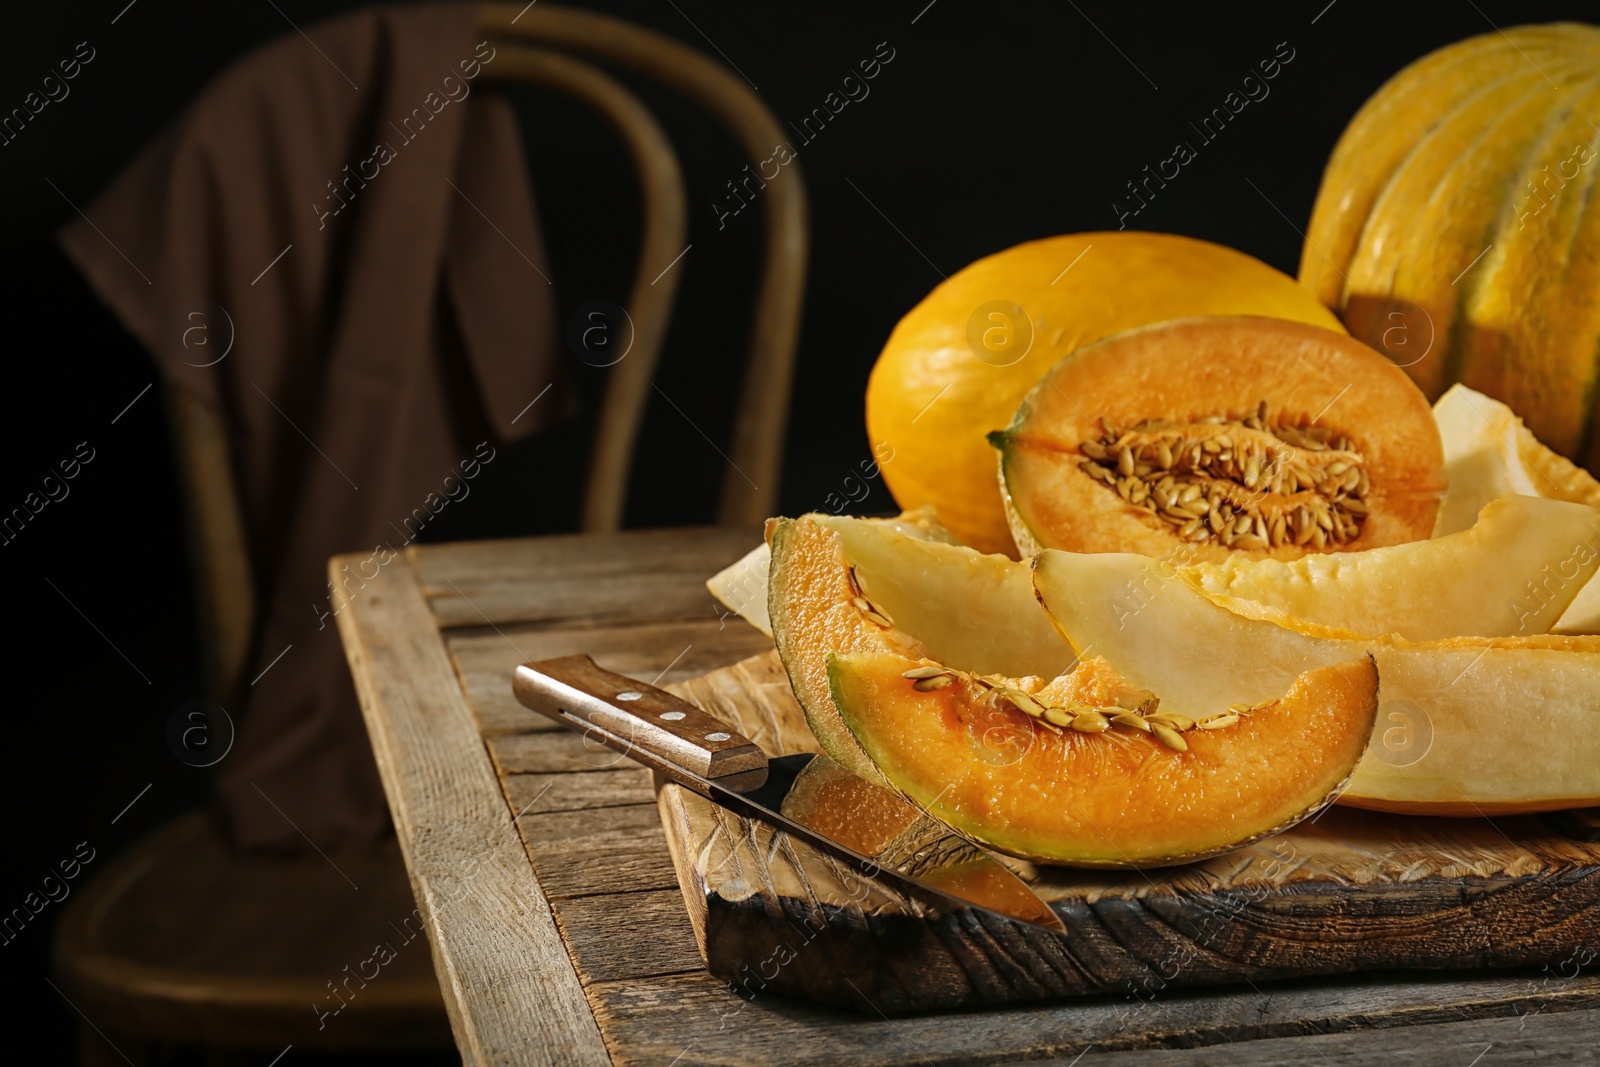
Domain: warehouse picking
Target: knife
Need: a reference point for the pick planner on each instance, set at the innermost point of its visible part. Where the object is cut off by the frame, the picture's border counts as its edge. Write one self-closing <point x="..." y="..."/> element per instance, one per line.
<point x="900" y="844"/>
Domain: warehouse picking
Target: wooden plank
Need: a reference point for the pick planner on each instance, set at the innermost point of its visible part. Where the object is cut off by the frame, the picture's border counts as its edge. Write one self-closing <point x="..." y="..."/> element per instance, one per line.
<point x="618" y="936"/>
<point x="1348" y="891"/>
<point x="583" y="852"/>
<point x="549" y="752"/>
<point x="653" y="1020"/>
<point x="1540" y="1039"/>
<point x="534" y="794"/>
<point x="580" y="580"/>
<point x="508" y="983"/>
<point x="681" y="649"/>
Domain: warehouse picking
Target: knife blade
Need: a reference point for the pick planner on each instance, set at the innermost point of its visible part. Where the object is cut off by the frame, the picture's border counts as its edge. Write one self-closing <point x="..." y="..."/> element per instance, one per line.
<point x="899" y="844"/>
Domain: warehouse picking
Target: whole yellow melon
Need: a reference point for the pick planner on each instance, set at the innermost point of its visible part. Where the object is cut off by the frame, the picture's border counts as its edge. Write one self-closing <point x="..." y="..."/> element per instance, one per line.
<point x="1457" y="230"/>
<point x="961" y="361"/>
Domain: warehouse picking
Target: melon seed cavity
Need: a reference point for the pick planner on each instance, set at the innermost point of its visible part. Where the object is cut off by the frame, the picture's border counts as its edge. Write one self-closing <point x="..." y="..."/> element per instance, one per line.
<point x="1255" y="482"/>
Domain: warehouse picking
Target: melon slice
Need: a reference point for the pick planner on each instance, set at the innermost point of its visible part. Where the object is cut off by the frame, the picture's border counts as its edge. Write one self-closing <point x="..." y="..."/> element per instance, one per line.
<point x="741" y="587"/>
<point x="846" y="585"/>
<point x="1467" y="725"/>
<point x="1489" y="453"/>
<point x="1513" y="573"/>
<point x="1114" y="787"/>
<point x="1218" y="436"/>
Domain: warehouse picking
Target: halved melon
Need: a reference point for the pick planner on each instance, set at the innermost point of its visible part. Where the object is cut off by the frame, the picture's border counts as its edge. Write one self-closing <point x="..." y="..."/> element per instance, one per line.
<point x="846" y="585"/>
<point x="1468" y="725"/>
<point x="1513" y="573"/>
<point x="1106" y="790"/>
<point x="1211" y="436"/>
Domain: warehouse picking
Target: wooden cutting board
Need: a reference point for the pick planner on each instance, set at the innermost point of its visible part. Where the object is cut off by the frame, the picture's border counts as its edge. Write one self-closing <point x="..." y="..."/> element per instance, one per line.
<point x="1349" y="891"/>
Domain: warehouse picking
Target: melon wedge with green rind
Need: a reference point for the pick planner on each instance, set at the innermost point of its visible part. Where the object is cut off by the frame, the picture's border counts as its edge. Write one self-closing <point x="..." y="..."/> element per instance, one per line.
<point x="1119" y="798"/>
<point x="1512" y="573"/>
<point x="925" y="598"/>
<point x="741" y="587"/>
<point x="1467" y="725"/>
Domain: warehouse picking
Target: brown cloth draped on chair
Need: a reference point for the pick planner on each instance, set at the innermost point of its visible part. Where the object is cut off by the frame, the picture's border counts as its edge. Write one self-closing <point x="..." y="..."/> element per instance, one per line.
<point x="350" y="211"/>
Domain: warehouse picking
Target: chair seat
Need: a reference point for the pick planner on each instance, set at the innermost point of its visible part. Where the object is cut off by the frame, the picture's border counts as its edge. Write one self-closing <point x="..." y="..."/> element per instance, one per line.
<point x="182" y="940"/>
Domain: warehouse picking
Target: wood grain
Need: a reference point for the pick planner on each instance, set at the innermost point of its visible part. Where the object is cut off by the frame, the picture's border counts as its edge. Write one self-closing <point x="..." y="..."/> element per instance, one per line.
<point x="603" y="932"/>
<point x="597" y="850"/>
<point x="1349" y="891"/>
<point x="500" y="959"/>
<point x="577" y="582"/>
<point x="652" y="1020"/>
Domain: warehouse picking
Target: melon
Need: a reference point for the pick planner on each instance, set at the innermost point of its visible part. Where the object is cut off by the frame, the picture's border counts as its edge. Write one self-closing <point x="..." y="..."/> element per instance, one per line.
<point x="1490" y="453"/>
<point x="1515" y="572"/>
<point x="1086" y="770"/>
<point x="1456" y="228"/>
<point x="1467" y="725"/>
<point x="1205" y="438"/>
<point x="741" y="587"/>
<point x="959" y="362"/>
<point x="849" y="585"/>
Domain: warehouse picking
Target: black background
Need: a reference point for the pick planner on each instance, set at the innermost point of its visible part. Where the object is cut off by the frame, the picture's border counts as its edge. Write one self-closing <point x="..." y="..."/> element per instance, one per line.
<point x="993" y="124"/>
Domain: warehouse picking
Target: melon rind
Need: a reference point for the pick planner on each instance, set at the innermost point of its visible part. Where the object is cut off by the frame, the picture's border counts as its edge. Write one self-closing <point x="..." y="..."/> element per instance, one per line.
<point x="1111" y="800"/>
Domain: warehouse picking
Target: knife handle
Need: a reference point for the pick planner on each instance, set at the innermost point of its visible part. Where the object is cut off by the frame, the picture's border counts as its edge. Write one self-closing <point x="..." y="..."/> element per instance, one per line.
<point x="645" y="723"/>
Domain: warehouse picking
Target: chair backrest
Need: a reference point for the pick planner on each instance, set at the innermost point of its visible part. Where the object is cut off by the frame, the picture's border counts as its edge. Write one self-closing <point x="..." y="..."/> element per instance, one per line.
<point x="749" y="490"/>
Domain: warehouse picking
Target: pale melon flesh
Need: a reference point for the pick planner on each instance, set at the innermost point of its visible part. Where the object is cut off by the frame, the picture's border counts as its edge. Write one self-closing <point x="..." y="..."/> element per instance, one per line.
<point x="1512" y="574"/>
<point x="945" y="602"/>
<point x="1466" y="726"/>
<point x="741" y="587"/>
<point x="1489" y="453"/>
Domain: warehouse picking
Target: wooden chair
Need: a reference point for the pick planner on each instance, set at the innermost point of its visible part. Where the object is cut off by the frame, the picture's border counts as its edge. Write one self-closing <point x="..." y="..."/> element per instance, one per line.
<point x="182" y="941"/>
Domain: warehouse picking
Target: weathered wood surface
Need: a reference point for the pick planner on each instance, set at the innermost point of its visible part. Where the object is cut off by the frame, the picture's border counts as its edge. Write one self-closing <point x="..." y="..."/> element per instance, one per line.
<point x="650" y="1021"/>
<point x="602" y="864"/>
<point x="1348" y="891"/>
<point x="563" y="581"/>
<point x="508" y="983"/>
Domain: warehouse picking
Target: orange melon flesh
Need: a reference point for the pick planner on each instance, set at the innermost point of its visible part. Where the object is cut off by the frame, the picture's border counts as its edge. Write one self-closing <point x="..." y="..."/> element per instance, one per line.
<point x="844" y="808"/>
<point x="1116" y="799"/>
<point x="1185" y="371"/>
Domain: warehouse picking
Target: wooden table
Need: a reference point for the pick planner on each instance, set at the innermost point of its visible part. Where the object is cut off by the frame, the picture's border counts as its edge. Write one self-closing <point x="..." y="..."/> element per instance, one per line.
<point x="558" y="930"/>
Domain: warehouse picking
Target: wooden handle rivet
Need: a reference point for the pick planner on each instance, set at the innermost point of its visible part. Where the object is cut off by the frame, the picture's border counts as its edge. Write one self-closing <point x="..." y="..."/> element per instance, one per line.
<point x="673" y="715"/>
<point x="629" y="695"/>
<point x="718" y="736"/>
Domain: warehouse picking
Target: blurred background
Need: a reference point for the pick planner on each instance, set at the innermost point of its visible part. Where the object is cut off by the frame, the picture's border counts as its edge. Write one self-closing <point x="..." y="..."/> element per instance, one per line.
<point x="992" y="125"/>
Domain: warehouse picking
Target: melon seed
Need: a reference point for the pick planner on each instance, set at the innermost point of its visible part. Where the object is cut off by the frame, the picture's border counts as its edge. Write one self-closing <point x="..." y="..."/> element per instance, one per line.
<point x="932" y="670"/>
<point x="1177" y="722"/>
<point x="1090" y="721"/>
<point x="1217" y="722"/>
<point x="1131" y="719"/>
<point x="1258" y="482"/>
<point x="1023" y="701"/>
<point x="928" y="685"/>
<point x="1169" y="737"/>
<point x="1057" y="716"/>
